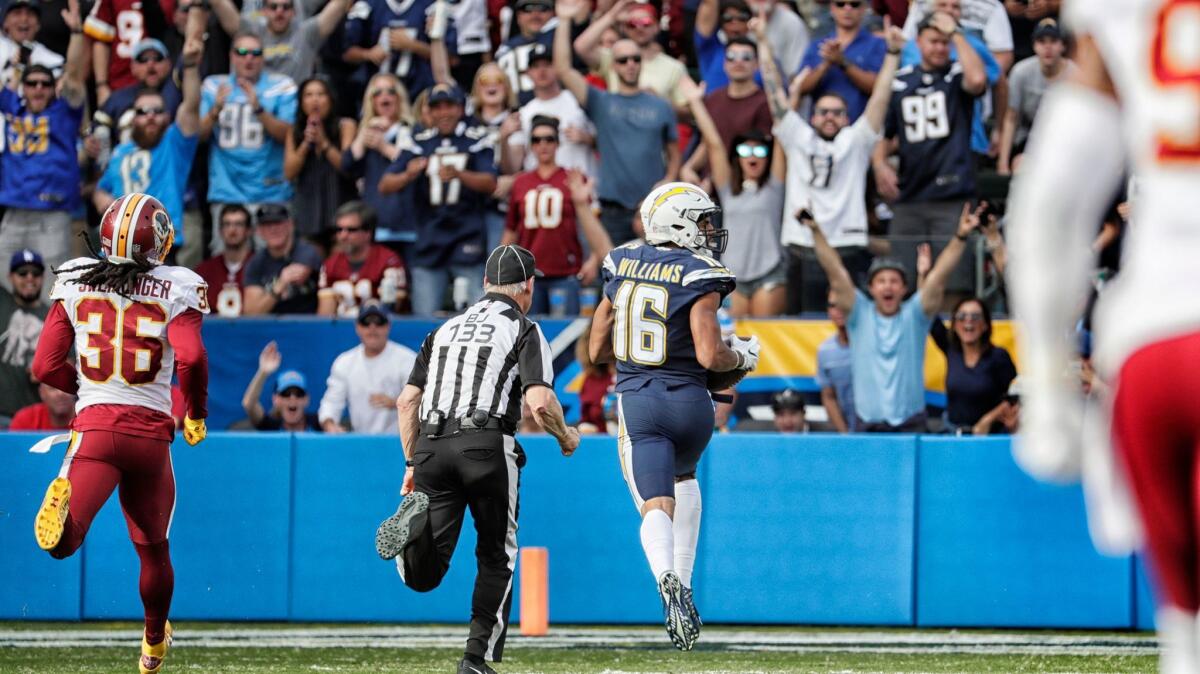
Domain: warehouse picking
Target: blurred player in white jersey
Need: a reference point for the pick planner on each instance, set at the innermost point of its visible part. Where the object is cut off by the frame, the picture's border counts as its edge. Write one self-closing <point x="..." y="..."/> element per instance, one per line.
<point x="1135" y="99"/>
<point x="133" y="321"/>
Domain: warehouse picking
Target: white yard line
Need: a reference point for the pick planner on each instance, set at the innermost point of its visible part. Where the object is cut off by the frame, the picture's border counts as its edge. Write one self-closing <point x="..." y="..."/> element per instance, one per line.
<point x="733" y="639"/>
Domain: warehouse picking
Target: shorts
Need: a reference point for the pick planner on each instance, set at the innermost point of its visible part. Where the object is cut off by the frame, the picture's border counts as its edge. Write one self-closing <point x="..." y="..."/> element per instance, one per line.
<point x="663" y="430"/>
<point x="772" y="279"/>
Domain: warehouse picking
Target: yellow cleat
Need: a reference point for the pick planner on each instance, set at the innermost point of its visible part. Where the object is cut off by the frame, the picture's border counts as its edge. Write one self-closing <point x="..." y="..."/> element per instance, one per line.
<point x="152" y="656"/>
<point x="48" y="525"/>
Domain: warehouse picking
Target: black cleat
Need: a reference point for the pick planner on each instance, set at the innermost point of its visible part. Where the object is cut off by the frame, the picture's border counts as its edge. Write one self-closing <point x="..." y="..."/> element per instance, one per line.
<point x="395" y="533"/>
<point x="465" y="667"/>
<point x="678" y="622"/>
<point x="690" y="607"/>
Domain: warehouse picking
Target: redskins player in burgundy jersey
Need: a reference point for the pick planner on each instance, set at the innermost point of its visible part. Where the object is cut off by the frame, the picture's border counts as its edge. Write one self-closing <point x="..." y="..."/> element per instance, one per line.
<point x="548" y="207"/>
<point x="133" y="321"/>
<point x="359" y="270"/>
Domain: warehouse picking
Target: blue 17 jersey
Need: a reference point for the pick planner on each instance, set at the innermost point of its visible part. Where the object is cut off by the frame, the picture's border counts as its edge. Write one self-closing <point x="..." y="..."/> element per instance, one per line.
<point x="652" y="289"/>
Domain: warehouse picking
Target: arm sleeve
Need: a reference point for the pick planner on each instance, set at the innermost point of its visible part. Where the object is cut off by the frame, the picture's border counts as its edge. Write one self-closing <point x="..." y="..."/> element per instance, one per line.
<point x="940" y="334"/>
<point x="535" y="364"/>
<point x="333" y="403"/>
<point x="822" y="378"/>
<point x="420" y="370"/>
<point x="50" y="361"/>
<point x="191" y="361"/>
<point x="99" y="23"/>
<point x="358" y="24"/>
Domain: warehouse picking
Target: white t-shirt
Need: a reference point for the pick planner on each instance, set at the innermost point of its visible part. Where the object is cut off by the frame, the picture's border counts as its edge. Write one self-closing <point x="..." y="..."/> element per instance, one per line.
<point x="39" y="54"/>
<point x="986" y="17"/>
<point x="789" y="38"/>
<point x="829" y="175"/>
<point x="566" y="109"/>
<point x="354" y="378"/>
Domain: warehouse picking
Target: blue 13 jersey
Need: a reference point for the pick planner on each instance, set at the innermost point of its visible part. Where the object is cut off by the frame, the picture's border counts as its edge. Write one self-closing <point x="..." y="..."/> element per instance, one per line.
<point x="652" y="289"/>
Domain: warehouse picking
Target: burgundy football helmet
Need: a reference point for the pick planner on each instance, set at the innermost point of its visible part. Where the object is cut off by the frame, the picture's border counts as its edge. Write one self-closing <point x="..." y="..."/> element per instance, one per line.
<point x="136" y="224"/>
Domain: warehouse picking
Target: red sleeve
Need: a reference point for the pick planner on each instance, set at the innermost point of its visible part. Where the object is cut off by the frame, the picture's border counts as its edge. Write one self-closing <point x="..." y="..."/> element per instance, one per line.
<point x="191" y="361"/>
<point x="51" y="362"/>
<point x="514" y="205"/>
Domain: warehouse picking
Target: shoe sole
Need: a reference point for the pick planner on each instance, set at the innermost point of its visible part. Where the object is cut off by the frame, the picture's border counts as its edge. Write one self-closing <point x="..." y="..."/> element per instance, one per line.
<point x="689" y="605"/>
<point x="678" y="623"/>
<point x="52" y="515"/>
<point x="395" y="532"/>
<point x="167" y="640"/>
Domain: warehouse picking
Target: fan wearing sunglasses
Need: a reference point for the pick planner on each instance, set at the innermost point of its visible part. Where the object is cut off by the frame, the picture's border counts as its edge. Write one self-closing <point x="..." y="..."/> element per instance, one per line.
<point x="158" y="156"/>
<point x="748" y="177"/>
<point x="290" y="44"/>
<point x="21" y="25"/>
<point x="846" y="63"/>
<point x="247" y="114"/>
<point x="718" y="23"/>
<point x="639" y="23"/>
<point x="151" y="67"/>
<point x="978" y="372"/>
<point x="39" y="168"/>
<point x="22" y="312"/>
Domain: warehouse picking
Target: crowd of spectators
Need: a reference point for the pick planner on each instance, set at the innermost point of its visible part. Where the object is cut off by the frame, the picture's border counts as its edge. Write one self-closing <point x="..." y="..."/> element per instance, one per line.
<point x="317" y="155"/>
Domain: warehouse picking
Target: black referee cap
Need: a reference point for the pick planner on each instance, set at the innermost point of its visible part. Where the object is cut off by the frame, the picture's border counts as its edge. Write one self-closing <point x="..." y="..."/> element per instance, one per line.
<point x="510" y="264"/>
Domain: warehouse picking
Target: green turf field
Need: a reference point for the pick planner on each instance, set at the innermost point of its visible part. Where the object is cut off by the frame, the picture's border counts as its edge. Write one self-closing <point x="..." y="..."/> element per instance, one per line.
<point x="252" y="648"/>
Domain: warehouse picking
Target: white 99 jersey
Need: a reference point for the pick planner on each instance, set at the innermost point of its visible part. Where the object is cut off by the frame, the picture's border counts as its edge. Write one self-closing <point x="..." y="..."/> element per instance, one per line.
<point x="123" y="356"/>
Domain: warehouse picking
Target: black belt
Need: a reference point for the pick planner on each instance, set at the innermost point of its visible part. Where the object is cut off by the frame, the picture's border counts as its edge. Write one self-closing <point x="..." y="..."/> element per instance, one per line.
<point x="435" y="427"/>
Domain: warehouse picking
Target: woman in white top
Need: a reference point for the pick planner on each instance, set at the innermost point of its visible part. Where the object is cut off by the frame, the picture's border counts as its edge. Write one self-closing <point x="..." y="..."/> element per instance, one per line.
<point x="748" y="179"/>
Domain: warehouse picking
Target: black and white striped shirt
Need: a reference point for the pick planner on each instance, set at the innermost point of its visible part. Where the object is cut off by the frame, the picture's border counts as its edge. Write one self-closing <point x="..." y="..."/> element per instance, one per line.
<point x="483" y="359"/>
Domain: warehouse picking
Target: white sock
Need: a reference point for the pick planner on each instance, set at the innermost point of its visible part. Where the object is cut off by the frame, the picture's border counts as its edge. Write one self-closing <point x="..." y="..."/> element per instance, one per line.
<point x="687" y="528"/>
<point x="657" y="541"/>
<point x="1177" y="634"/>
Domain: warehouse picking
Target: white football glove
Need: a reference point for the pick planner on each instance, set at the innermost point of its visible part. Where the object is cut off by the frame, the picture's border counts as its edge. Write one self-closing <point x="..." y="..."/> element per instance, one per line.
<point x="747" y="351"/>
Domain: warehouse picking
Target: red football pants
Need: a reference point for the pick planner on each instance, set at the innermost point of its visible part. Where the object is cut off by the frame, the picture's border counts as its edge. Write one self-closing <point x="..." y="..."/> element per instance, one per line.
<point x="1156" y="427"/>
<point x="98" y="462"/>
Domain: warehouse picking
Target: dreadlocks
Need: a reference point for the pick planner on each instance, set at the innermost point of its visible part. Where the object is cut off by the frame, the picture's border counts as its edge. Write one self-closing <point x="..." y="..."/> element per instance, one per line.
<point x="121" y="279"/>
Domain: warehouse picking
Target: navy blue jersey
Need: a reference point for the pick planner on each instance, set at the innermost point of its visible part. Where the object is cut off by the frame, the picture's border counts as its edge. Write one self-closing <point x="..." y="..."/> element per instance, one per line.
<point x="513" y="56"/>
<point x="652" y="289"/>
<point x="449" y="216"/>
<point x="365" y="27"/>
<point x="931" y="115"/>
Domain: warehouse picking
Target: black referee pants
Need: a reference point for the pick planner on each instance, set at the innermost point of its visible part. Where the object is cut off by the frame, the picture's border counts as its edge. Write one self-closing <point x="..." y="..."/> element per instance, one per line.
<point x="479" y="470"/>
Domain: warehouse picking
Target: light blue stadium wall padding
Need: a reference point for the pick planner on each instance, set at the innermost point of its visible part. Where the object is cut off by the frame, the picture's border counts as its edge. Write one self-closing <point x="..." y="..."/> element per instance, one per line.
<point x="811" y="529"/>
<point x="32" y="584"/>
<point x="229" y="537"/>
<point x="1143" y="591"/>
<point x="998" y="549"/>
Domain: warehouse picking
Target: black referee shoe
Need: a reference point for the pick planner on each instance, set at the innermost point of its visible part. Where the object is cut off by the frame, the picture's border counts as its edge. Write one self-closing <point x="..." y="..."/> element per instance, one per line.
<point x="465" y="667"/>
<point x="395" y="532"/>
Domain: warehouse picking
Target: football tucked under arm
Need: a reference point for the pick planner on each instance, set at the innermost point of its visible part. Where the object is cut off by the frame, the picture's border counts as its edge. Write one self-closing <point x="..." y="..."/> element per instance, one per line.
<point x="719" y="381"/>
<point x="747" y="351"/>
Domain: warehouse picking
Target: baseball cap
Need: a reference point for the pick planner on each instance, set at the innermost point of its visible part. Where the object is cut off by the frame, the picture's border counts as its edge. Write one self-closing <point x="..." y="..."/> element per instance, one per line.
<point x="27" y="4"/>
<point x="540" y="52"/>
<point x="1047" y="27"/>
<point x="148" y="43"/>
<point x="369" y="309"/>
<point x="290" y="379"/>
<point x="446" y="93"/>
<point x="881" y="263"/>
<point x="271" y="213"/>
<point x="645" y="9"/>
<point x="510" y="264"/>
<point x="787" y="399"/>
<point x="26" y="257"/>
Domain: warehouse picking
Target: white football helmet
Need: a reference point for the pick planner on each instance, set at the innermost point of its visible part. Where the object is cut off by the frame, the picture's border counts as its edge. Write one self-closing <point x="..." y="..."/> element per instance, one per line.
<point x="682" y="213"/>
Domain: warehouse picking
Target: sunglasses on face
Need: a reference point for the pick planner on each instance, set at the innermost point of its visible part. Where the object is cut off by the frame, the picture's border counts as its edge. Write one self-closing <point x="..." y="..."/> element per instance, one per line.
<point x="842" y="4"/>
<point x="384" y="90"/>
<point x="535" y="8"/>
<point x="492" y="79"/>
<point x="747" y="150"/>
<point x="28" y="271"/>
<point x="145" y="112"/>
<point x="828" y="112"/>
<point x="729" y="18"/>
<point x="636" y="58"/>
<point x="245" y="51"/>
<point x="150" y="57"/>
<point x="538" y="140"/>
<point x="292" y="393"/>
<point x="968" y="316"/>
<point x="373" y="322"/>
<point x="279" y="6"/>
<point x="740" y="56"/>
<point x="39" y="83"/>
<point x="349" y="230"/>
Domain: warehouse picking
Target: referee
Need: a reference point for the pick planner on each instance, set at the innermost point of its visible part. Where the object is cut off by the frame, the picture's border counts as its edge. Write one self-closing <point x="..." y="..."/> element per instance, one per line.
<point x="458" y="414"/>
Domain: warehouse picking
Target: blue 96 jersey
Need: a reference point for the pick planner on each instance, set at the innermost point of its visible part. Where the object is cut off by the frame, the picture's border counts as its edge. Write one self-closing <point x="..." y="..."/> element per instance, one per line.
<point x="652" y="289"/>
